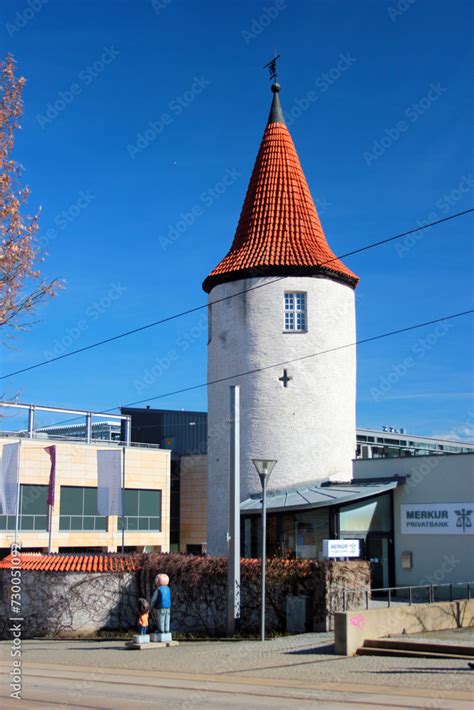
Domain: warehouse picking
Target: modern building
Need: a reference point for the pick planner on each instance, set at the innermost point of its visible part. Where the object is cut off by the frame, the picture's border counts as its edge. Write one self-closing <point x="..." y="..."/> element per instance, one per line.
<point x="182" y="433"/>
<point x="103" y="430"/>
<point x="413" y="519"/>
<point x="280" y="295"/>
<point x="76" y="524"/>
<point x="392" y="443"/>
<point x="301" y="517"/>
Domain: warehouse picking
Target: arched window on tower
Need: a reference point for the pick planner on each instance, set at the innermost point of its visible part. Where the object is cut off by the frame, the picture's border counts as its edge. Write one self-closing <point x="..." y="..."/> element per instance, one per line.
<point x="295" y="316"/>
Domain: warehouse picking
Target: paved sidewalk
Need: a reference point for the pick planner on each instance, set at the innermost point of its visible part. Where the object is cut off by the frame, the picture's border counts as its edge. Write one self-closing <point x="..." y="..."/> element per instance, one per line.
<point x="307" y="657"/>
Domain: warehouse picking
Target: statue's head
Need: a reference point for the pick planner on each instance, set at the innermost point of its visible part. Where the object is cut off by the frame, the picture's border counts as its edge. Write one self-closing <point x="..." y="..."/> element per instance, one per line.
<point x="143" y="605"/>
<point x="162" y="580"/>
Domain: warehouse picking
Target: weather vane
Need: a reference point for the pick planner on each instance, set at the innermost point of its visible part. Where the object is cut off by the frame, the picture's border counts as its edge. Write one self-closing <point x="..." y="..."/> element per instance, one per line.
<point x="272" y="67"/>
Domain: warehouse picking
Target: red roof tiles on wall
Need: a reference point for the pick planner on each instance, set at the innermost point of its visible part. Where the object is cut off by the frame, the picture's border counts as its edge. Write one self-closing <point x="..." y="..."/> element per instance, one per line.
<point x="57" y="562"/>
<point x="279" y="232"/>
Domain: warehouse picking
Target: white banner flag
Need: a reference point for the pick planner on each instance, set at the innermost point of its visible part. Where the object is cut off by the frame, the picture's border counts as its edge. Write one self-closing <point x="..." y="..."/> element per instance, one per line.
<point x="109" y="485"/>
<point x="9" y="478"/>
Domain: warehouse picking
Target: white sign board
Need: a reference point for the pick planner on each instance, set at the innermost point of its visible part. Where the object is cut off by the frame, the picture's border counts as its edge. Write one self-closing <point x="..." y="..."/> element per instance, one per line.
<point x="341" y="548"/>
<point x="437" y="519"/>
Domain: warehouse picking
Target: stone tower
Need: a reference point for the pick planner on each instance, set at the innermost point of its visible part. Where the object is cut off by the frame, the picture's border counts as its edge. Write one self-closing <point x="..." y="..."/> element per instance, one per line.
<point x="278" y="298"/>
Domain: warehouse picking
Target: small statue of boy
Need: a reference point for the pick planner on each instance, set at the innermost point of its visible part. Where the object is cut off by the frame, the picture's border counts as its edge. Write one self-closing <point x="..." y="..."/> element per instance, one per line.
<point x="143" y="608"/>
<point x="161" y="600"/>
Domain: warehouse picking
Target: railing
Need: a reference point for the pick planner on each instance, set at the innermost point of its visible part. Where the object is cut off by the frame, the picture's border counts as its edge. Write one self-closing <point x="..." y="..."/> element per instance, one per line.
<point x="415" y="594"/>
<point x="95" y="441"/>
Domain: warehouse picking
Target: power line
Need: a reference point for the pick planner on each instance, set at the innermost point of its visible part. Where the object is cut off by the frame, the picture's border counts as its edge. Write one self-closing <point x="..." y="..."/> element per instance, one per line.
<point x="298" y="359"/>
<point x="225" y="298"/>
<point x="285" y="362"/>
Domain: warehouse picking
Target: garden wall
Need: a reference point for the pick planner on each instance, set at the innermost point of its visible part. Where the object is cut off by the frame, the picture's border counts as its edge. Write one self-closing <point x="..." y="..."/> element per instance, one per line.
<point x="60" y="603"/>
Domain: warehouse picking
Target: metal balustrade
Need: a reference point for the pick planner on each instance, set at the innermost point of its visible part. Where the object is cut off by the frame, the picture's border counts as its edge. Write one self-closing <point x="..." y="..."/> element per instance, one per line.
<point x="409" y="595"/>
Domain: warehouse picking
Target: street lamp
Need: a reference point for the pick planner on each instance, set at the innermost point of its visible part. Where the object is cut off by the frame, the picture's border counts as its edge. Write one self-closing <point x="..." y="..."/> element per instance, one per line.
<point x="264" y="468"/>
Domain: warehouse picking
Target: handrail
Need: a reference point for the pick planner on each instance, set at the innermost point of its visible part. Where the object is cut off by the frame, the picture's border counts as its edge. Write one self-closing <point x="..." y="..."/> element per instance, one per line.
<point x="419" y="586"/>
<point x="431" y="588"/>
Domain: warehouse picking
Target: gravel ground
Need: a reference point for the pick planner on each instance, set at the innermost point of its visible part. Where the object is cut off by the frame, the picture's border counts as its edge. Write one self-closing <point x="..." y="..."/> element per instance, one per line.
<point x="304" y="657"/>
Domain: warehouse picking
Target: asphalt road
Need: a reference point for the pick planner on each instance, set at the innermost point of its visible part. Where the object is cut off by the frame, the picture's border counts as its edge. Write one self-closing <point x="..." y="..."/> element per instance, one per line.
<point x="47" y="686"/>
<point x="299" y="671"/>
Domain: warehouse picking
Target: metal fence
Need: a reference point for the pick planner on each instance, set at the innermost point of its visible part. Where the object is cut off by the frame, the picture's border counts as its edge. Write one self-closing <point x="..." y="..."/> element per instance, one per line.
<point x="417" y="594"/>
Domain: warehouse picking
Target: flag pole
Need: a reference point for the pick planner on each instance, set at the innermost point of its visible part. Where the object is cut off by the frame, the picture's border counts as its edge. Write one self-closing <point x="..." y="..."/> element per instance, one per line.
<point x="50" y="521"/>
<point x="18" y="491"/>
<point x="123" y="501"/>
<point x="51" y="451"/>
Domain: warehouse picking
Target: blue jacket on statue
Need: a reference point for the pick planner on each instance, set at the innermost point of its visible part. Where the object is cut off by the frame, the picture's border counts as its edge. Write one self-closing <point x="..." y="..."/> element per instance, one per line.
<point x="161" y="598"/>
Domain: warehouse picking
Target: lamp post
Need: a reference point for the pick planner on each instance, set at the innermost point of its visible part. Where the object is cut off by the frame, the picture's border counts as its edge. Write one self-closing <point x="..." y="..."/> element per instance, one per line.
<point x="264" y="468"/>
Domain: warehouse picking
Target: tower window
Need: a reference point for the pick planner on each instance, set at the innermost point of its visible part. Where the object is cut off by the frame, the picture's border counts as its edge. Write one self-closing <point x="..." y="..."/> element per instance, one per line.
<point x="295" y="312"/>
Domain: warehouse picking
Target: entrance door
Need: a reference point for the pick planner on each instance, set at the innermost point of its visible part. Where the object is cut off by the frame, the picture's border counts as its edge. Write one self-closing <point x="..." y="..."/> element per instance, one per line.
<point x="378" y="552"/>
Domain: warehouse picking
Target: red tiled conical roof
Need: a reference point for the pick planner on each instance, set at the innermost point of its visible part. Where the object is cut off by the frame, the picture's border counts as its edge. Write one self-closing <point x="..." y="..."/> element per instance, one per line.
<point x="279" y="232"/>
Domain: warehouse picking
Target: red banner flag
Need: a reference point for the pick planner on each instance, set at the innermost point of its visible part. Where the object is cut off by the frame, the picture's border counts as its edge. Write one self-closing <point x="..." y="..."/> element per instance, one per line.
<point x="51" y="450"/>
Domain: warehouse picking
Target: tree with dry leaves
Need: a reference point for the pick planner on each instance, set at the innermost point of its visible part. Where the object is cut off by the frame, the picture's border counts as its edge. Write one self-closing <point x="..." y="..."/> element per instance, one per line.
<point x="22" y="288"/>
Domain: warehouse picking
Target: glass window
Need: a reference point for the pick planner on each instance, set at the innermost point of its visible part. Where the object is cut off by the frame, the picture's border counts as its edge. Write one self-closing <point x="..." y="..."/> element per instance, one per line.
<point x="33" y="510"/>
<point x="90" y="501"/>
<point x="131" y="502"/>
<point x="367" y="516"/>
<point x="78" y="509"/>
<point x="289" y="535"/>
<point x="71" y="501"/>
<point x="142" y="510"/>
<point x="312" y="527"/>
<point x="295" y="311"/>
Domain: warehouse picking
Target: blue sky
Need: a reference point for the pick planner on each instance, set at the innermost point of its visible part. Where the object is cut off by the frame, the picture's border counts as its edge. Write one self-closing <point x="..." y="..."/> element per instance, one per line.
<point x="142" y="122"/>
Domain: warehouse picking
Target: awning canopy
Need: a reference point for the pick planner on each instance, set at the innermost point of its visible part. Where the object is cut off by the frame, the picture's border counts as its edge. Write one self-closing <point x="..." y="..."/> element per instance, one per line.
<point x="317" y="496"/>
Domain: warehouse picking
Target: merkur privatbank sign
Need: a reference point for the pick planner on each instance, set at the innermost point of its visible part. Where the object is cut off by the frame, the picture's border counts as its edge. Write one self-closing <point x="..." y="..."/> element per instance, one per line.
<point x="437" y="518"/>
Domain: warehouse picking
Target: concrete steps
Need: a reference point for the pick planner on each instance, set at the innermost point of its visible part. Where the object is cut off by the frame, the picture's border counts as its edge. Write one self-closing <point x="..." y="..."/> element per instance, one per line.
<point x="416" y="649"/>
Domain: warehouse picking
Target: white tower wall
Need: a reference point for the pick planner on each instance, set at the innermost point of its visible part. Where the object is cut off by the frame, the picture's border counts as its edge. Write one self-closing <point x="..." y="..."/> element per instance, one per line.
<point x="308" y="426"/>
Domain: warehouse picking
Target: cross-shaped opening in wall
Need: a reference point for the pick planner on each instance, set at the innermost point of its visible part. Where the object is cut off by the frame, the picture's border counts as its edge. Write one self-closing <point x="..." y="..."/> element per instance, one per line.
<point x="285" y="378"/>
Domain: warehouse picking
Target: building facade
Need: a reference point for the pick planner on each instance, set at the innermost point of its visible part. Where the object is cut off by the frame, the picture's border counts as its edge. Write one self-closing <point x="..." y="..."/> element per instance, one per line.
<point x="281" y="306"/>
<point x="413" y="519"/>
<point x="186" y="431"/>
<point x="75" y="523"/>
<point x="103" y="430"/>
<point x="182" y="433"/>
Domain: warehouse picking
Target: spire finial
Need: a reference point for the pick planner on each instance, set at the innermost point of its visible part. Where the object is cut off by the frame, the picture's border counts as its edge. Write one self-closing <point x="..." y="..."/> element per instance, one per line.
<point x="276" y="113"/>
<point x="272" y="68"/>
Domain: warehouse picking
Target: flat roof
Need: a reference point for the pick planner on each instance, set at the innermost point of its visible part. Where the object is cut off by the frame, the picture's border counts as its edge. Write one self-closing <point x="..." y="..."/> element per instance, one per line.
<point x="417" y="437"/>
<point x="316" y="496"/>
